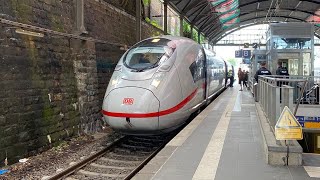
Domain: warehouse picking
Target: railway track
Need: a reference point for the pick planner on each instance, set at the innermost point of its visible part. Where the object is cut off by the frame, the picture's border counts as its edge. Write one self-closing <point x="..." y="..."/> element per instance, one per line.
<point x="120" y="160"/>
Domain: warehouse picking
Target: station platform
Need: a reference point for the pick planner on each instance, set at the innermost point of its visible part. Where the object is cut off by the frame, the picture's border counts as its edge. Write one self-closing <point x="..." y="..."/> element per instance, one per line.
<point x="224" y="142"/>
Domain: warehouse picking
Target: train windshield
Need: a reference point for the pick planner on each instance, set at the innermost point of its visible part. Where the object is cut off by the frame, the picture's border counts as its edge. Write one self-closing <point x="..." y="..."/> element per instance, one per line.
<point x="148" y="54"/>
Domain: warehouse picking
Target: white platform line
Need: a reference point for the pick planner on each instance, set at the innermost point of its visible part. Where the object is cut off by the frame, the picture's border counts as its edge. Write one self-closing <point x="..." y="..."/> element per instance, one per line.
<point x="313" y="171"/>
<point x="237" y="106"/>
<point x="210" y="160"/>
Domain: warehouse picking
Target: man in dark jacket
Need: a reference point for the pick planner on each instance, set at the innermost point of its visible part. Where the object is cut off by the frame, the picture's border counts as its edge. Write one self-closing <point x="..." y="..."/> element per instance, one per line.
<point x="231" y="77"/>
<point x="282" y="71"/>
<point x="262" y="71"/>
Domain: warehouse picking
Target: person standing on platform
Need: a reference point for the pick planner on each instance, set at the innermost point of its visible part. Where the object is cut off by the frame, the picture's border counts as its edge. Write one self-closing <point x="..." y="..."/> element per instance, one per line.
<point x="231" y="77"/>
<point x="262" y="71"/>
<point x="241" y="78"/>
<point x="245" y="78"/>
<point x="282" y="71"/>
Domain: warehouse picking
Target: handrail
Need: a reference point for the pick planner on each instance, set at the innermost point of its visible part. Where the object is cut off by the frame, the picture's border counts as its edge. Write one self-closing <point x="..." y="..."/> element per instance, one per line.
<point x="276" y="92"/>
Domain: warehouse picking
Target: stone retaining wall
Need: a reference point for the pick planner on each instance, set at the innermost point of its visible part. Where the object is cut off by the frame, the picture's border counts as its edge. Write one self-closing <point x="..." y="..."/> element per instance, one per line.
<point x="52" y="87"/>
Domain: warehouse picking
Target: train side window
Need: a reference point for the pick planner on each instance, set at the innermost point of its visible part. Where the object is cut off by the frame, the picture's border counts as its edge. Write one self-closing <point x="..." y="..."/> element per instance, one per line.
<point x="193" y="70"/>
<point x="201" y="65"/>
<point x="197" y="67"/>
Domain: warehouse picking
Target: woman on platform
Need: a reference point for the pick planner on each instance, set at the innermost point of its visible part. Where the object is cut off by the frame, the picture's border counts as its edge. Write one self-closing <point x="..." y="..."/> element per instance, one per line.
<point x="241" y="78"/>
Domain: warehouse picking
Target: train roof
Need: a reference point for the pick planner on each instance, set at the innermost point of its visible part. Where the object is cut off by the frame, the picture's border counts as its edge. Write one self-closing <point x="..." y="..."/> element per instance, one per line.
<point x="179" y="40"/>
<point x="176" y="38"/>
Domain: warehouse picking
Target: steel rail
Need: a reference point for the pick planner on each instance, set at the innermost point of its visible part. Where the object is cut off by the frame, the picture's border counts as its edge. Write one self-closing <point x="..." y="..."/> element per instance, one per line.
<point x="136" y="170"/>
<point x="85" y="162"/>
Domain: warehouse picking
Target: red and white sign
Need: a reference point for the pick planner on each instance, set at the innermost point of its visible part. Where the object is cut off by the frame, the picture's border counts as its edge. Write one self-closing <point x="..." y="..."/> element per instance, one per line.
<point x="128" y="101"/>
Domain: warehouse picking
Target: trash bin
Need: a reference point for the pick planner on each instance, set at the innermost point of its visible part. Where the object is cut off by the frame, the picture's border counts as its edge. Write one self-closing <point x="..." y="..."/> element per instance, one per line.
<point x="255" y="92"/>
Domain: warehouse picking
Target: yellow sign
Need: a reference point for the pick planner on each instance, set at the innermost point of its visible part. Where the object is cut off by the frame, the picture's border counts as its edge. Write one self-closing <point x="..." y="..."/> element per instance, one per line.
<point x="287" y="127"/>
<point x="311" y="125"/>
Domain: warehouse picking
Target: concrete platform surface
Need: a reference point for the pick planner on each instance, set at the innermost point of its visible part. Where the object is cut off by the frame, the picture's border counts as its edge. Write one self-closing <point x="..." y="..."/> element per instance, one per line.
<point x="223" y="142"/>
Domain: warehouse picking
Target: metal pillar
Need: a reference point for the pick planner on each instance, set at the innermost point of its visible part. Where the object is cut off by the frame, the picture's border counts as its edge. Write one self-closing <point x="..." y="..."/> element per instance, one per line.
<point x="199" y="34"/>
<point x="191" y="36"/>
<point x="80" y="17"/>
<point x="287" y="100"/>
<point x="138" y="20"/>
<point x="181" y="25"/>
<point x="165" y="21"/>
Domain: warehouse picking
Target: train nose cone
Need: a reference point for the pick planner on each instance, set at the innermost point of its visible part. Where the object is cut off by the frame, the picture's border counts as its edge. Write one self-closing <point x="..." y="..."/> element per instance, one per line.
<point x="131" y="109"/>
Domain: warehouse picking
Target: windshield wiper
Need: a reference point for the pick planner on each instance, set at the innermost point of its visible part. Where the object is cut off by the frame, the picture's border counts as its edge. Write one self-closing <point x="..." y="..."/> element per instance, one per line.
<point x="149" y="67"/>
<point x="137" y="70"/>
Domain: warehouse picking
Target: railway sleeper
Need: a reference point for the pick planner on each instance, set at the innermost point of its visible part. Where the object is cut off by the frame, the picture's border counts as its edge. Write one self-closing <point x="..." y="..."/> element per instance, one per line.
<point x="126" y="157"/>
<point x="89" y="173"/>
<point x="118" y="161"/>
<point x="135" y="147"/>
<point x="148" y="139"/>
<point x="122" y="151"/>
<point x="148" y="144"/>
<point x="111" y="167"/>
<point x="106" y="171"/>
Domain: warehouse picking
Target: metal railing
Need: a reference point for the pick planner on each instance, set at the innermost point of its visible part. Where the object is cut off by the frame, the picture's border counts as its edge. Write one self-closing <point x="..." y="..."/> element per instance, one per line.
<point x="276" y="92"/>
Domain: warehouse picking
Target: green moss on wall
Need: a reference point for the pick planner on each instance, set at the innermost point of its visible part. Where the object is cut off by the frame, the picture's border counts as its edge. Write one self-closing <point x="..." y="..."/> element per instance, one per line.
<point x="22" y="11"/>
<point x="56" y="23"/>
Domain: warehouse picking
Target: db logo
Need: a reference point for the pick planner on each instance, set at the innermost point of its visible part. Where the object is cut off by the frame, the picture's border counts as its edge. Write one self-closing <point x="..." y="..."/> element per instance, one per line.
<point x="128" y="101"/>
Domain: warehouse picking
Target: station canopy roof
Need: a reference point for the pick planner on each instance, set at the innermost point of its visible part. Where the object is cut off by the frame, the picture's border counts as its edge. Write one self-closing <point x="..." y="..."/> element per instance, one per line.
<point x="216" y="18"/>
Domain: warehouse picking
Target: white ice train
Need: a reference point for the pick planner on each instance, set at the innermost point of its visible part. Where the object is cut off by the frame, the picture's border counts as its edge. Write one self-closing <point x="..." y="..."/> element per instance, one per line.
<point x="159" y="82"/>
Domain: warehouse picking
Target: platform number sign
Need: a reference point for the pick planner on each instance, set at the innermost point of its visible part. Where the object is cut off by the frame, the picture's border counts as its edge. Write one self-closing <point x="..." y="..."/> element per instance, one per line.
<point x="238" y="54"/>
<point x="246" y="53"/>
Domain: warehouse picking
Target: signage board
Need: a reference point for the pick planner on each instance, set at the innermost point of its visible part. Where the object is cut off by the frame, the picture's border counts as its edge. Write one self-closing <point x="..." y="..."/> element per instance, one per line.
<point x="261" y="57"/>
<point x="287" y="127"/>
<point x="309" y="122"/>
<point x="246" y="53"/>
<point x="238" y="53"/>
<point x="246" y="61"/>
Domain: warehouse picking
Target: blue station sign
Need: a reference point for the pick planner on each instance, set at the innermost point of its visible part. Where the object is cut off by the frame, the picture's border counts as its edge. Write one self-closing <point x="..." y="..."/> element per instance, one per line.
<point x="308" y="122"/>
<point x="238" y="53"/>
<point x="246" y="54"/>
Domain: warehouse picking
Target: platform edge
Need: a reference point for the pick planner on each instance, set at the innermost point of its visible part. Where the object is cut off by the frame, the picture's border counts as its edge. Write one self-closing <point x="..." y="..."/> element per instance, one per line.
<point x="275" y="154"/>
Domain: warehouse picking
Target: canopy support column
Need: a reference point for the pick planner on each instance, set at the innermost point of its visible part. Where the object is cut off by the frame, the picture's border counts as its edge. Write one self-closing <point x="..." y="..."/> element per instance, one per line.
<point x="138" y="20"/>
<point x="181" y="25"/>
<point x="165" y="21"/>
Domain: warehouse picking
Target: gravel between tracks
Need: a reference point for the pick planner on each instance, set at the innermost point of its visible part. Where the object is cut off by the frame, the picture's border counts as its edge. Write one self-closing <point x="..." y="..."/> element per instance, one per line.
<point x="48" y="162"/>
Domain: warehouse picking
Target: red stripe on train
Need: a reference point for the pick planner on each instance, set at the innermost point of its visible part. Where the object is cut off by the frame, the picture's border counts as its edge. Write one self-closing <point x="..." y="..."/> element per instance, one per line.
<point x="152" y="114"/>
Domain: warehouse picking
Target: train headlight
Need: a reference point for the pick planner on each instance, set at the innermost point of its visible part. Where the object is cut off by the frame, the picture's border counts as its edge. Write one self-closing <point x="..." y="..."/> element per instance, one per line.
<point x="115" y="78"/>
<point x="118" y="67"/>
<point x="158" y="77"/>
